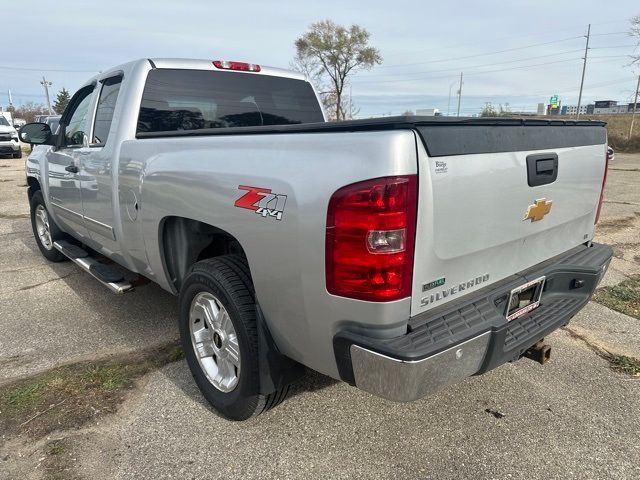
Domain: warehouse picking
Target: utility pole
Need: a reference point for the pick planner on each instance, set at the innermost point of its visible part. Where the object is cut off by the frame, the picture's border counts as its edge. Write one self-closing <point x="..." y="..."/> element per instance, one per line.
<point x="449" y="101"/>
<point x="635" y="104"/>
<point x="584" y="68"/>
<point x="46" y="86"/>
<point x="459" y="95"/>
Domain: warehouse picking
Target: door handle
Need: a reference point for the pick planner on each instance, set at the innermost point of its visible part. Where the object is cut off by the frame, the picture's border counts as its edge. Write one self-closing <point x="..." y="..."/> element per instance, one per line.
<point x="71" y="169"/>
<point x="542" y="169"/>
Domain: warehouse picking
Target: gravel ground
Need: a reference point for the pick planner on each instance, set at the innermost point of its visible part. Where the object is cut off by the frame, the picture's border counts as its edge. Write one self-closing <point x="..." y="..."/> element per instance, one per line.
<point x="572" y="418"/>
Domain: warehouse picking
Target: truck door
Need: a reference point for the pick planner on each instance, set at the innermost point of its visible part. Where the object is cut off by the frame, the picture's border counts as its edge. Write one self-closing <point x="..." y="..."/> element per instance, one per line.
<point x="97" y="192"/>
<point x="64" y="174"/>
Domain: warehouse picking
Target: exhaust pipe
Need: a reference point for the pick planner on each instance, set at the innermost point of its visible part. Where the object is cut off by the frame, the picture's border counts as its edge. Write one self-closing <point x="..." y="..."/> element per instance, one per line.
<point x="539" y="352"/>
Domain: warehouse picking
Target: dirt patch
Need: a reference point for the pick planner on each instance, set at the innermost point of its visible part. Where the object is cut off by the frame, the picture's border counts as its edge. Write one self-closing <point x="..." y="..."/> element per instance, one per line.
<point x="12" y="216"/>
<point x="624" y="297"/>
<point x="617" y="224"/>
<point x="67" y="397"/>
<point x="58" y="460"/>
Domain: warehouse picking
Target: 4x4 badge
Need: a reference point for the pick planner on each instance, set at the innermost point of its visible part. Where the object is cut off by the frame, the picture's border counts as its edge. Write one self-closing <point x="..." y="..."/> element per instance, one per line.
<point x="262" y="201"/>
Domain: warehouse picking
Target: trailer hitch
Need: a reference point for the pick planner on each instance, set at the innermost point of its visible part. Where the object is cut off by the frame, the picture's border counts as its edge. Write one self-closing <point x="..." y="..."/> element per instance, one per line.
<point x="539" y="352"/>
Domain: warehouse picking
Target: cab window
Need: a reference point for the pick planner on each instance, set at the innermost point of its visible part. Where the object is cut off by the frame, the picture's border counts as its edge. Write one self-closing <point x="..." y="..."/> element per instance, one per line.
<point x="77" y="122"/>
<point x="105" y="109"/>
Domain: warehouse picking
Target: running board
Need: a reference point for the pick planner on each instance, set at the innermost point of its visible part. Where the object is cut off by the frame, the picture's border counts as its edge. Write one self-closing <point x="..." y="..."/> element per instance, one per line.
<point x="105" y="274"/>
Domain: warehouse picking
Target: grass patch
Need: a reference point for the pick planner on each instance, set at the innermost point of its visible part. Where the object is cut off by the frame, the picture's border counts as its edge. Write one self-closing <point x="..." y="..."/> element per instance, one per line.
<point x="624" y="297"/>
<point x="24" y="398"/>
<point x="175" y="354"/>
<point x="69" y="396"/>
<point x="56" y="448"/>
<point x="624" y="364"/>
<point x="618" y="131"/>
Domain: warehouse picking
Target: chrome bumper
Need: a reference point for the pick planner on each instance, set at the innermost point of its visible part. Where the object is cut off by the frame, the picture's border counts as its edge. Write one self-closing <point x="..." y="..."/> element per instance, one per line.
<point x="405" y="381"/>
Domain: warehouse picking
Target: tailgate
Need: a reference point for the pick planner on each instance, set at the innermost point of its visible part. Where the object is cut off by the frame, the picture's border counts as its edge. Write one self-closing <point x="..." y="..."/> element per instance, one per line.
<point x="495" y="200"/>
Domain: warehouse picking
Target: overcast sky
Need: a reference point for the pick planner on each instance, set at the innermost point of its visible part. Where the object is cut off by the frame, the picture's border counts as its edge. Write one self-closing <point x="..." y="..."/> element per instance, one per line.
<point x="519" y="52"/>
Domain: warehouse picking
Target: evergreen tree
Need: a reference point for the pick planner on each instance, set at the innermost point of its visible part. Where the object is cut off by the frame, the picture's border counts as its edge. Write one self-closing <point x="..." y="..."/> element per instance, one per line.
<point x="62" y="100"/>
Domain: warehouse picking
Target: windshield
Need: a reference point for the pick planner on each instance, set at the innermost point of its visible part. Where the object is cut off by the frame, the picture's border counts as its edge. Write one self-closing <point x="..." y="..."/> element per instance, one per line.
<point x="196" y="99"/>
<point x="3" y="122"/>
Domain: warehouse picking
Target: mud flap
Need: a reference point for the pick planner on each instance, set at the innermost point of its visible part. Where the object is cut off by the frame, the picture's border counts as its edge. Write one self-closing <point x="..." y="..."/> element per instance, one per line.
<point x="276" y="370"/>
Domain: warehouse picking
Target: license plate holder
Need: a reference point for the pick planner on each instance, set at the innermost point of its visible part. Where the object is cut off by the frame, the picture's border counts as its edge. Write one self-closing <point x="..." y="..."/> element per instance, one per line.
<point x="524" y="298"/>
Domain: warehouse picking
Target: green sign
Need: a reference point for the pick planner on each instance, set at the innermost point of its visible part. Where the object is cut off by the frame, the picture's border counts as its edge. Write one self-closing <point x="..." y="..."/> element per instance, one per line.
<point x="553" y="101"/>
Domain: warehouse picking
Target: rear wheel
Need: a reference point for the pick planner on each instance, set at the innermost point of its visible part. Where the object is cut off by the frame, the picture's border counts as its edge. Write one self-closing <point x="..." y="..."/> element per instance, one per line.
<point x="219" y="335"/>
<point x="45" y="229"/>
<point x="18" y="154"/>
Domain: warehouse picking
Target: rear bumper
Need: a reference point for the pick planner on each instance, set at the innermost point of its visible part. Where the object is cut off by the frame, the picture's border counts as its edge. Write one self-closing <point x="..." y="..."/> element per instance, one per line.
<point x="471" y="335"/>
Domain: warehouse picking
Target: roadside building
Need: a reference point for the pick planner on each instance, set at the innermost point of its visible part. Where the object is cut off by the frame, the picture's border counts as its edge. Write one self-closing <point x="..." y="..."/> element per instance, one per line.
<point x="609" y="107"/>
<point x="573" y="110"/>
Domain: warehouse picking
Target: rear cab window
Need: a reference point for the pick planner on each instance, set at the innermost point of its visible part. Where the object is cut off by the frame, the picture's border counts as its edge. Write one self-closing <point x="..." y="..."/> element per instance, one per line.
<point x="176" y="99"/>
<point x="110" y="88"/>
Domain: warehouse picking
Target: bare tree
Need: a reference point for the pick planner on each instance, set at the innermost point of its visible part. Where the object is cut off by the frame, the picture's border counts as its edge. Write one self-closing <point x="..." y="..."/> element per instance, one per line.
<point x="315" y="73"/>
<point x="634" y="31"/>
<point x="29" y="111"/>
<point x="333" y="52"/>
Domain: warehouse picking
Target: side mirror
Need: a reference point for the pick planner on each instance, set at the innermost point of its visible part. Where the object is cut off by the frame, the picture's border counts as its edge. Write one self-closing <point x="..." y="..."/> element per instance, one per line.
<point x="36" y="134"/>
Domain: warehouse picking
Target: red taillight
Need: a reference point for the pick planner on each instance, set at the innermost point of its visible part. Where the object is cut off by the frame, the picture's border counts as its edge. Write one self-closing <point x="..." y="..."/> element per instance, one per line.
<point x="604" y="181"/>
<point x="241" y="66"/>
<point x="370" y="239"/>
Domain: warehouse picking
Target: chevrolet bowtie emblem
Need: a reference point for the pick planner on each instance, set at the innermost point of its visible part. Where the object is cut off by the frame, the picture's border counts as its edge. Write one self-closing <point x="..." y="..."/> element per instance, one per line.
<point x="538" y="210"/>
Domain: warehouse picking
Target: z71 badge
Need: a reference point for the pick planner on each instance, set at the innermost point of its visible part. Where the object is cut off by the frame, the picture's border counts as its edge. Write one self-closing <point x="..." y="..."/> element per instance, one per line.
<point x="262" y="201"/>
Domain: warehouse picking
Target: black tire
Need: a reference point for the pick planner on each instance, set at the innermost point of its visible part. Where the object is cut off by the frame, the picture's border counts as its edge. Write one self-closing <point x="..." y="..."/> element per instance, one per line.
<point x="18" y="154"/>
<point x="51" y="253"/>
<point x="228" y="279"/>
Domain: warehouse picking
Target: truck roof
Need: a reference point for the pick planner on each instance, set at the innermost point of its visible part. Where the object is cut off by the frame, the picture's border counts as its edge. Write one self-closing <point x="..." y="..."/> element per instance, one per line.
<point x="195" y="64"/>
<point x="207" y="64"/>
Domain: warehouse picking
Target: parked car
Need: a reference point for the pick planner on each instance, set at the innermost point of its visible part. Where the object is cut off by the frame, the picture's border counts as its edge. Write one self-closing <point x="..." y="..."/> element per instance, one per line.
<point x="9" y="142"/>
<point x="398" y="254"/>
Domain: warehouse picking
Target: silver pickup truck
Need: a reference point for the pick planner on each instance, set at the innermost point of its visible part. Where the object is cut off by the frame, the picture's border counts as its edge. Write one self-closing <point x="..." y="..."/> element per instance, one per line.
<point x="399" y="254"/>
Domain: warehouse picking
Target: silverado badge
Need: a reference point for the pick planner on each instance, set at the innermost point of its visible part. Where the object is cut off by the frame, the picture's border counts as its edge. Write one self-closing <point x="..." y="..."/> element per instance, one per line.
<point x="538" y="210"/>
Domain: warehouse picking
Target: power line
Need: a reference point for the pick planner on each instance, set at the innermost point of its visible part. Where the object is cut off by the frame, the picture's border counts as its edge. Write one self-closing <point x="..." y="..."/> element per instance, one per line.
<point x="610" y="33"/>
<point x="613" y="46"/>
<point x="427" y="77"/>
<point x="27" y="69"/>
<point x="466" y="67"/>
<point x="480" y="54"/>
